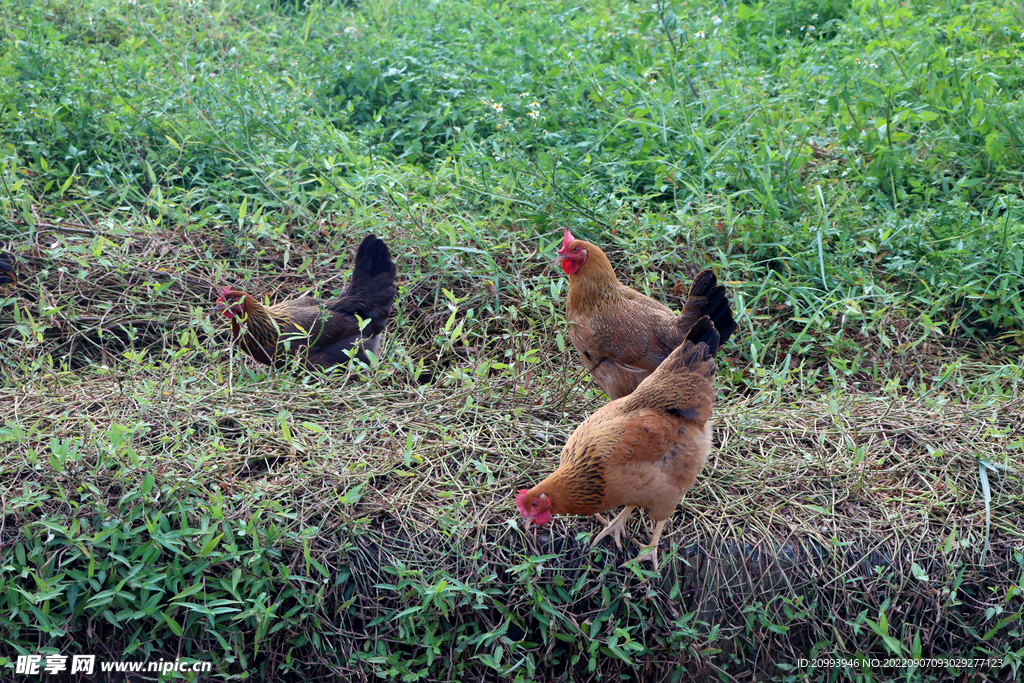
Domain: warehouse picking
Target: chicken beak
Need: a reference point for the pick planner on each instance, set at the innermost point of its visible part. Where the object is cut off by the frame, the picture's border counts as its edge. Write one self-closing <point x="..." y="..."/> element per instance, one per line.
<point x="527" y="521"/>
<point x="221" y="306"/>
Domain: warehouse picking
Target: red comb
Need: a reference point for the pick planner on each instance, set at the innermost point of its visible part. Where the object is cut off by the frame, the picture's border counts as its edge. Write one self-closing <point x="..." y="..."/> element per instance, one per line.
<point x="566" y="241"/>
<point x="519" y="498"/>
<point x="224" y="293"/>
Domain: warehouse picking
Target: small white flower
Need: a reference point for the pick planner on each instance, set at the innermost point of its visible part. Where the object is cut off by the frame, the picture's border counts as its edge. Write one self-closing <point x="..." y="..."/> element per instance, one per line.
<point x="810" y="28"/>
<point x="715" y="19"/>
<point x="497" y="107"/>
<point x="535" y="105"/>
<point x="698" y="34"/>
<point x="814" y="16"/>
<point x="534" y="114"/>
<point x="349" y="30"/>
<point x="873" y="65"/>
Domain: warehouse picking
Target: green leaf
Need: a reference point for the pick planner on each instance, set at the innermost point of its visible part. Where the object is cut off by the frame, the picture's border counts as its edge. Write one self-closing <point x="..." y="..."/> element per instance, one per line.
<point x="210" y="545"/>
<point x="192" y="590"/>
<point x="893" y="645"/>
<point x="171" y="623"/>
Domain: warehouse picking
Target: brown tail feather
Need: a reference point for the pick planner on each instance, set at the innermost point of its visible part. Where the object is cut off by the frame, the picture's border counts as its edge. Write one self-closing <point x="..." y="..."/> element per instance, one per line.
<point x="683" y="384"/>
<point x="701" y="344"/>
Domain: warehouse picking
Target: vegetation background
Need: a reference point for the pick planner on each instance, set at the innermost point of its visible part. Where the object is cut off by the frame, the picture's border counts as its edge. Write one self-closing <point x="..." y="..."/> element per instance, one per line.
<point x="851" y="168"/>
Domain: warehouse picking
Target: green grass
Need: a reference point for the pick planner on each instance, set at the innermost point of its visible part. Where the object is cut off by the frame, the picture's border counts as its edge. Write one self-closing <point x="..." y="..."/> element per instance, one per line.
<point x="857" y="184"/>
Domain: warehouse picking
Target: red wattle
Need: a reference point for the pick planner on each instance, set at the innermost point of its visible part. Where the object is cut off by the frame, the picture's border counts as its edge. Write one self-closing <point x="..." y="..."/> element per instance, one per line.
<point x="570" y="267"/>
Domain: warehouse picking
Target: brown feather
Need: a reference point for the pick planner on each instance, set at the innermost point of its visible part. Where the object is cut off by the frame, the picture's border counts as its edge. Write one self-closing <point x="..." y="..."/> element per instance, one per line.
<point x="645" y="449"/>
<point x="623" y="335"/>
<point x="323" y="332"/>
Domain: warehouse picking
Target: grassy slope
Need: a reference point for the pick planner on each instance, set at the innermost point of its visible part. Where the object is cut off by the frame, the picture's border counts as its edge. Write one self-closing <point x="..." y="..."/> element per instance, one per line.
<point x="163" y="495"/>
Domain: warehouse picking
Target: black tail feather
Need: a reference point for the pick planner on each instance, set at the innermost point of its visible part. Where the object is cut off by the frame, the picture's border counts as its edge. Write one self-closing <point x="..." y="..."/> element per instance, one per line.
<point x="710" y="297"/>
<point x="7" y="274"/>
<point x="705" y="331"/>
<point x="701" y="344"/>
<point x="371" y="289"/>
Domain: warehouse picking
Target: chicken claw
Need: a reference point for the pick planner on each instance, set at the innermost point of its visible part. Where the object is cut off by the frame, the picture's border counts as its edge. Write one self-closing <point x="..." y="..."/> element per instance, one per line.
<point x="616" y="528"/>
<point x="651" y="550"/>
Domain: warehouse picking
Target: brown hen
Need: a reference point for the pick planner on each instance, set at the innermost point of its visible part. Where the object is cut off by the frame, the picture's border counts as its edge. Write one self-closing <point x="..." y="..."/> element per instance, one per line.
<point x="642" y="450"/>
<point x="621" y="334"/>
<point x="322" y="333"/>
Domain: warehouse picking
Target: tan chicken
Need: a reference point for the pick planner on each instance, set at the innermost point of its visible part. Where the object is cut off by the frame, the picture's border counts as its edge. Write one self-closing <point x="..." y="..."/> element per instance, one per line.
<point x="322" y="332"/>
<point x="621" y="334"/>
<point x="642" y="450"/>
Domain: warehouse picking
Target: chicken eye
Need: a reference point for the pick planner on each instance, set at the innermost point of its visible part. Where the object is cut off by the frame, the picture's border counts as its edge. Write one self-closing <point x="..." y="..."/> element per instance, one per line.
<point x="534" y="503"/>
<point x="575" y="249"/>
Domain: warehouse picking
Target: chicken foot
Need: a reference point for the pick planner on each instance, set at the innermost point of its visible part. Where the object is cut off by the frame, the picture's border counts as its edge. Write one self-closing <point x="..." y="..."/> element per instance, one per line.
<point x="616" y="528"/>
<point x="652" y="549"/>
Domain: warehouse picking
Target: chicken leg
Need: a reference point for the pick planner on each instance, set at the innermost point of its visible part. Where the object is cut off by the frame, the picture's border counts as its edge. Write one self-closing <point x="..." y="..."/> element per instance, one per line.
<point x="616" y="528"/>
<point x="652" y="549"/>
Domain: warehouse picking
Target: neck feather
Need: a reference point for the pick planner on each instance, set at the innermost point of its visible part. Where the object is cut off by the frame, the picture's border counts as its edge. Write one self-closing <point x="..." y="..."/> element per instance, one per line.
<point x="594" y="285"/>
<point x="575" y="488"/>
<point x="254" y="314"/>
